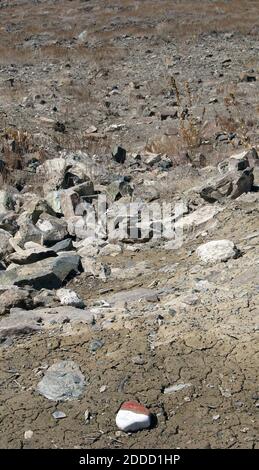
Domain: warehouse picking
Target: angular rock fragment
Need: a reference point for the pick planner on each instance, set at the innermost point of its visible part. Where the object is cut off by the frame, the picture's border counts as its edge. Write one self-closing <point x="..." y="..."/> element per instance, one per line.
<point x="232" y="185"/>
<point x="217" y="250"/>
<point x="62" y="381"/>
<point x="48" y="273"/>
<point x="119" y="154"/>
<point x="69" y="297"/>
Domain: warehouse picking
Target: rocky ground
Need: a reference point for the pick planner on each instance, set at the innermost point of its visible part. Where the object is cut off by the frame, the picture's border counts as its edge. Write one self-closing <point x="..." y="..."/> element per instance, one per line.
<point x="140" y="103"/>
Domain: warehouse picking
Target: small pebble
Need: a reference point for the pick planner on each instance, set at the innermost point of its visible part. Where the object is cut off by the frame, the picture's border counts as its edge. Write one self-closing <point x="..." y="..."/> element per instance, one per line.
<point x="133" y="416"/>
<point x="28" y="434"/>
<point x="59" y="415"/>
<point x="215" y="417"/>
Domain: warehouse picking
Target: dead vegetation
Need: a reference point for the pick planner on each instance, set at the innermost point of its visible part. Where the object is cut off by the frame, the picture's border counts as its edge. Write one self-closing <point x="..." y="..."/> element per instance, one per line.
<point x="183" y="146"/>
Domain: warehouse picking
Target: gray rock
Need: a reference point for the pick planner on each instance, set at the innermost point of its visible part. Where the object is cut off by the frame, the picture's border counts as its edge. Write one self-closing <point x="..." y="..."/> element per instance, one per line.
<point x="64" y="245"/>
<point x="176" y="388"/>
<point x="5" y="247"/>
<point x="62" y="381"/>
<point x="15" y="297"/>
<point x="53" y="229"/>
<point x="217" y="250"/>
<point x="31" y="255"/>
<point x="22" y="322"/>
<point x="95" y="345"/>
<point x="59" y="414"/>
<point x="6" y="201"/>
<point x="69" y="297"/>
<point x="48" y="273"/>
<point x="232" y="185"/>
<point x="95" y="268"/>
<point x="238" y="162"/>
<point x="118" y="188"/>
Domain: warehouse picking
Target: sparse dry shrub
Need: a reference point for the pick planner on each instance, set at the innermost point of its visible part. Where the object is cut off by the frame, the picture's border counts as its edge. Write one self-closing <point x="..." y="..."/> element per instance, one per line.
<point x="235" y="120"/>
<point x="189" y="127"/>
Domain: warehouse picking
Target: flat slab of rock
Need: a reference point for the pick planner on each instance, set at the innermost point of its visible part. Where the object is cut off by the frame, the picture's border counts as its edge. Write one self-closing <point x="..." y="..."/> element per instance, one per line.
<point x="21" y="322"/>
<point x="31" y="255"/>
<point x="217" y="250"/>
<point x="48" y="273"/>
<point x="62" y="381"/>
<point x="231" y="185"/>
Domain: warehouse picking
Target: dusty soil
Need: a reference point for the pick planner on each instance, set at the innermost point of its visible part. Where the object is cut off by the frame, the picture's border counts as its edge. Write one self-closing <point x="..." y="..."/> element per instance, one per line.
<point x="162" y="325"/>
<point x="177" y="335"/>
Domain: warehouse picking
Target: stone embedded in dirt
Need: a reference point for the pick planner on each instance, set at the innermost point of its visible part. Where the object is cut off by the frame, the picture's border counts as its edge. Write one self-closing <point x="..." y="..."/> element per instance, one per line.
<point x="132" y="416"/>
<point x="217" y="250"/>
<point x="59" y="414"/>
<point x="62" y="381"/>
<point x="48" y="273"/>
<point x="28" y="434"/>
<point x="176" y="388"/>
<point x="111" y="249"/>
<point x="119" y="154"/>
<point x="45" y="298"/>
<point x="69" y="297"/>
<point x="95" y="345"/>
<point x="83" y="36"/>
<point x="22" y="322"/>
<point x="199" y="217"/>
<point x="96" y="268"/>
<point x="168" y="113"/>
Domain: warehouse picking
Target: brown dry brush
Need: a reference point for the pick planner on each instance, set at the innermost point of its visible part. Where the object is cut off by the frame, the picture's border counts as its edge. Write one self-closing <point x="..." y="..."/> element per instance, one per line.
<point x="190" y="128"/>
<point x="234" y="122"/>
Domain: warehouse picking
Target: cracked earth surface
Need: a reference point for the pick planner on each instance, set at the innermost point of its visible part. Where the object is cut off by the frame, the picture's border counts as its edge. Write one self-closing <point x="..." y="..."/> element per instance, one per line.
<point x="178" y="331"/>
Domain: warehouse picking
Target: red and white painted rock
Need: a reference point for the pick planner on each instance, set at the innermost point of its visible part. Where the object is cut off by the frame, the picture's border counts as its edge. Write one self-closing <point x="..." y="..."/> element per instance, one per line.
<point x="133" y="416"/>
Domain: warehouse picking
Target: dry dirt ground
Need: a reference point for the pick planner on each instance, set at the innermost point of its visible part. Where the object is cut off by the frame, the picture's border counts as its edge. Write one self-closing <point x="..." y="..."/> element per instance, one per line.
<point x="169" y="319"/>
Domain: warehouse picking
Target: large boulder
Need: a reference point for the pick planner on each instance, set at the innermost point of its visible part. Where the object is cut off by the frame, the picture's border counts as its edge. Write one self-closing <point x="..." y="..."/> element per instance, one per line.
<point x="31" y="255"/>
<point x="64" y="173"/>
<point x="53" y="229"/>
<point x="231" y="185"/>
<point x="49" y="273"/>
<point x="216" y="251"/>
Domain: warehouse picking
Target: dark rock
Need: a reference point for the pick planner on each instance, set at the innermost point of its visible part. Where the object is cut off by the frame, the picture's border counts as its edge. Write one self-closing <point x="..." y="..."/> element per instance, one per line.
<point x="119" y="154"/>
<point x="49" y="273"/>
